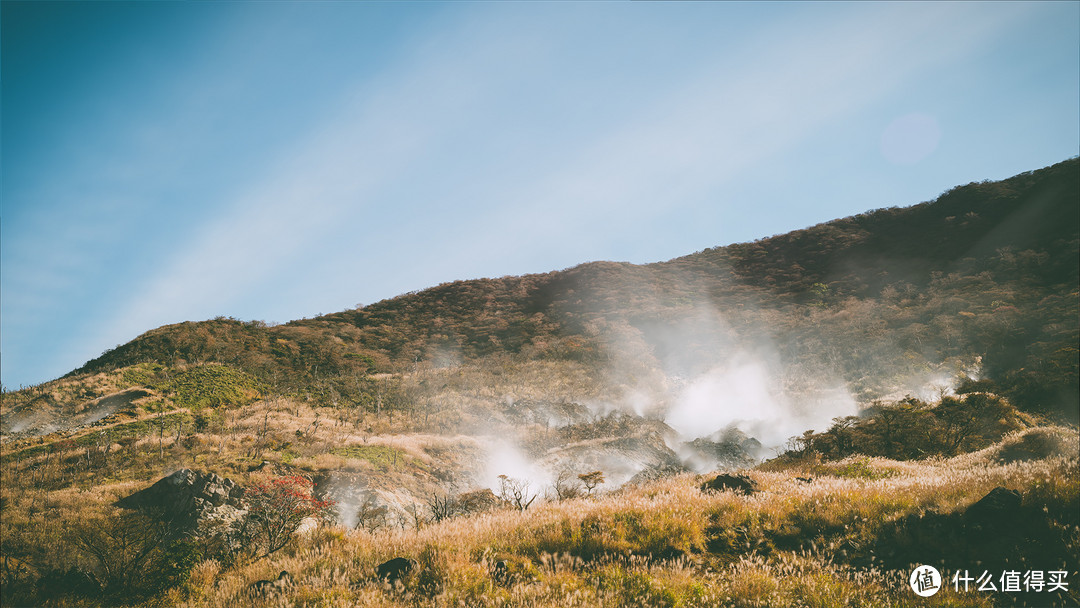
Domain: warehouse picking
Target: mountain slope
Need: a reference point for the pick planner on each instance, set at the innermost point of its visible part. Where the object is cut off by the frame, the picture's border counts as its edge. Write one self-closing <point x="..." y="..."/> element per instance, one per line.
<point x="425" y="426"/>
<point x="987" y="274"/>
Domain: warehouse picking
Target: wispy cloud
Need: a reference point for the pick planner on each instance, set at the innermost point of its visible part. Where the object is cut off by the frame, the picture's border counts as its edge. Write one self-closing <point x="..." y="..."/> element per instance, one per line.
<point x="731" y="111"/>
<point x="506" y="139"/>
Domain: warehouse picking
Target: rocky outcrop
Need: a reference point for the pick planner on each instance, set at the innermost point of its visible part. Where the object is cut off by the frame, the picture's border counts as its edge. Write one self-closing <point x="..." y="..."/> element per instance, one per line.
<point x="726" y="450"/>
<point x="190" y="500"/>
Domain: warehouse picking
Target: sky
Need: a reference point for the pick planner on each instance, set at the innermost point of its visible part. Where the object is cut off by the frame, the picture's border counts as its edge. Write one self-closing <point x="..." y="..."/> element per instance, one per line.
<point x="173" y="161"/>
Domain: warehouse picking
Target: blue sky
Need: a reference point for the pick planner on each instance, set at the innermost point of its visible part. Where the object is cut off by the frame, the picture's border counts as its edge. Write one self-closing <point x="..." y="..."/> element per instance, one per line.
<point x="173" y="161"/>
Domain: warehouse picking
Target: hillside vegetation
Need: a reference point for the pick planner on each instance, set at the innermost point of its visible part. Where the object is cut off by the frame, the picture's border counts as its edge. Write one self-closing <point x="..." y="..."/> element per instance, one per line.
<point x="547" y="440"/>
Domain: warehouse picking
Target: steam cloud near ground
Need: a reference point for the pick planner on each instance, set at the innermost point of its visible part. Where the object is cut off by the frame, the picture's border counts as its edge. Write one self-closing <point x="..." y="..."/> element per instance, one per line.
<point x="718" y="378"/>
<point x="704" y="379"/>
<point x="746" y="394"/>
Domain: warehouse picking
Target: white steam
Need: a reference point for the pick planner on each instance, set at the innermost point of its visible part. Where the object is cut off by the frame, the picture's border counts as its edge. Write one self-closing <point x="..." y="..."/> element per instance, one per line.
<point x="743" y="393"/>
<point x="706" y="374"/>
<point x="506" y="459"/>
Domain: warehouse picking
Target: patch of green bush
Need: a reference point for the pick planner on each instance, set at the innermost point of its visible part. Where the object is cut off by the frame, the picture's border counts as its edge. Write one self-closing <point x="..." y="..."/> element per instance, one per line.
<point x="143" y="374"/>
<point x="214" y="386"/>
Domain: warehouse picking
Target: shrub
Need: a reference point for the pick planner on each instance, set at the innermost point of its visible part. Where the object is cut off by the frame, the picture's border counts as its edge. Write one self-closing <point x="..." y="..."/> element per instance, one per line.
<point x="213" y="386"/>
<point x="276" y="510"/>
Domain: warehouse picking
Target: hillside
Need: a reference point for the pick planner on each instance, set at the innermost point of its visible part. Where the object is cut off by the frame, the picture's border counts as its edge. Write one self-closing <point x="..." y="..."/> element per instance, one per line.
<point x="886" y="390"/>
<point x="983" y="277"/>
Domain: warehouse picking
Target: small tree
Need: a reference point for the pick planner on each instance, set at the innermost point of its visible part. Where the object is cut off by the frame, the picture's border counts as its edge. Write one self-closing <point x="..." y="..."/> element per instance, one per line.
<point x="123" y="547"/>
<point x="371" y="517"/>
<point x="132" y="554"/>
<point x="515" y="492"/>
<point x="591" y="480"/>
<point x="278" y="507"/>
<point x="443" y="507"/>
<point x="565" y="487"/>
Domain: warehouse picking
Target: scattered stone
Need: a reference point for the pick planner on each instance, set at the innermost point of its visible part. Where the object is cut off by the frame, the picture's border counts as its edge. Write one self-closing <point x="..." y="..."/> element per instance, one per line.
<point x="737" y="483"/>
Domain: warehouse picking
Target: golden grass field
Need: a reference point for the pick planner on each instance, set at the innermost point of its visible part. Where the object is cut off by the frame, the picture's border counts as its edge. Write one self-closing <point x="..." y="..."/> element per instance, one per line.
<point x="660" y="543"/>
<point x="595" y="551"/>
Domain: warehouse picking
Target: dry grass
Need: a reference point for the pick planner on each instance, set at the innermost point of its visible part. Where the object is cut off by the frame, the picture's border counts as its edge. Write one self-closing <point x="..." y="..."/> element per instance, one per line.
<point x="595" y="552"/>
<point x="661" y="544"/>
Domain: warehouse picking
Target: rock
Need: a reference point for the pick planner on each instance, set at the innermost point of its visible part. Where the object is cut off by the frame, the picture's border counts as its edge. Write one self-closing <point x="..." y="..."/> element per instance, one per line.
<point x="997" y="510"/>
<point x="740" y="484"/>
<point x="396" y="569"/>
<point x="188" y="499"/>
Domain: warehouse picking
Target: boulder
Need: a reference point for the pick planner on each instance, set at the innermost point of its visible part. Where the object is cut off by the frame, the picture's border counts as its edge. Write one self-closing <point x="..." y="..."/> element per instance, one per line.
<point x="478" y="501"/>
<point x="395" y="569"/>
<point x="187" y="499"/>
<point x="997" y="511"/>
<point x="740" y="484"/>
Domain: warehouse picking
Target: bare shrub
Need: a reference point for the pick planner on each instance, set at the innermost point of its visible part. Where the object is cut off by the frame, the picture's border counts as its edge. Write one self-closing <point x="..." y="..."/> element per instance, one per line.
<point x="516" y="492"/>
<point x="565" y="487"/>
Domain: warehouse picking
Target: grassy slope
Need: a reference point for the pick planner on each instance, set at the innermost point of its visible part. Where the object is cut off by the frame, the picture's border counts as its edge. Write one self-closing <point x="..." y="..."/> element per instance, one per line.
<point x="735" y="550"/>
<point x="794" y="542"/>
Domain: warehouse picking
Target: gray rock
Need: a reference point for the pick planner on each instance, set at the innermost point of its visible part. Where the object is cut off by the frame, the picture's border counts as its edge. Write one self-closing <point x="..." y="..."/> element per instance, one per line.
<point x="189" y="499"/>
